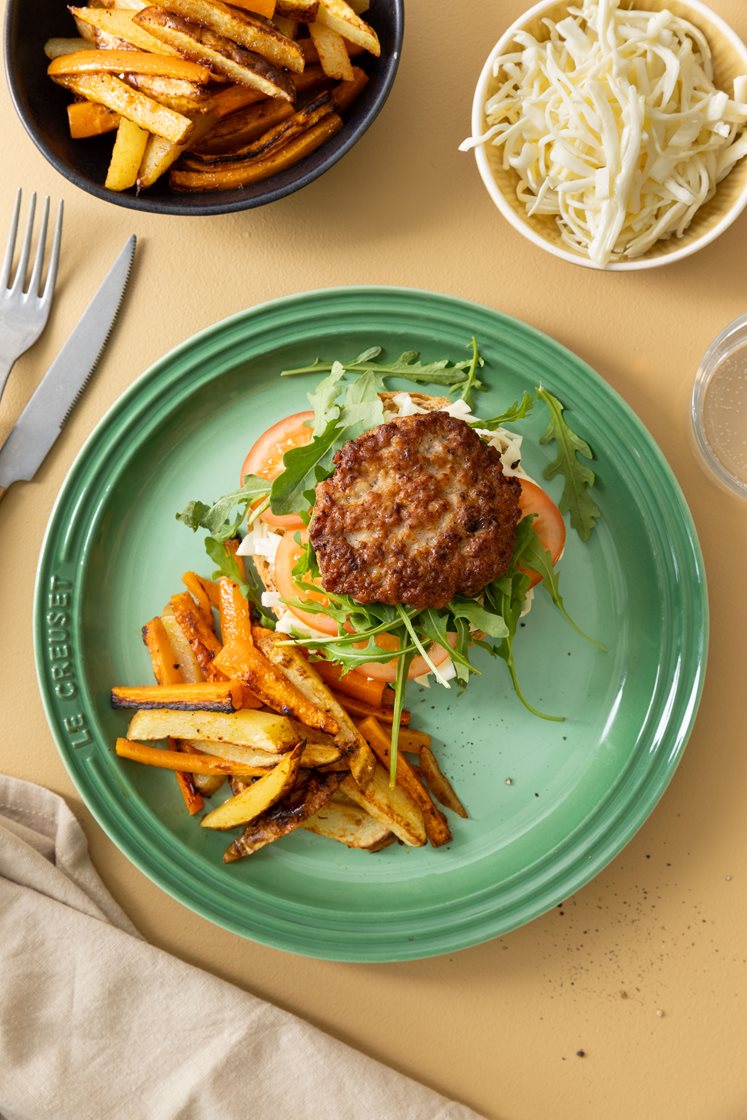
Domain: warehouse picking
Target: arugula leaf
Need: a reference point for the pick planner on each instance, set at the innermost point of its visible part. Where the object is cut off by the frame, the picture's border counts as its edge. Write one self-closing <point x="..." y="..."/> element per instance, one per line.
<point x="462" y="665"/>
<point x="516" y="411"/>
<point x="539" y="560"/>
<point x="578" y="478"/>
<point x="506" y="595"/>
<point x="304" y="466"/>
<point x="476" y="615"/>
<point x="471" y="382"/>
<point x="416" y="641"/>
<point x="287" y="494"/>
<point x="403" y="668"/>
<point x="434" y="626"/>
<point x="459" y="377"/>
<point x="323" y="401"/>
<point x="225" y="562"/>
<point x="219" y="519"/>
<point x="363" y="408"/>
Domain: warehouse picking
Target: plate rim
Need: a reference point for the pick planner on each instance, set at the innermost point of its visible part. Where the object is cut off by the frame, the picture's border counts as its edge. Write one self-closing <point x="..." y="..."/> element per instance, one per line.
<point x="636" y="815"/>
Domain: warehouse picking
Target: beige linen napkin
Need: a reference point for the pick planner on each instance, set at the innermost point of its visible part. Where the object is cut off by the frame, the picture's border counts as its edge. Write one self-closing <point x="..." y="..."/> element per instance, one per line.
<point x="95" y="1023"/>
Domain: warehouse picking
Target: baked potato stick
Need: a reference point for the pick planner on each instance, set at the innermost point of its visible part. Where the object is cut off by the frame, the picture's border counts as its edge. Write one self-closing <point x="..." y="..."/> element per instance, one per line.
<point x="239" y="27"/>
<point x="85" y="31"/>
<point x="342" y="820"/>
<point x="235" y="624"/>
<point x="289" y="814"/>
<point x="436" y="826"/>
<point x="438" y="783"/>
<point x="285" y="26"/>
<point x="171" y="760"/>
<point x="128" y="62"/>
<point x="313" y="755"/>
<point x="311" y="54"/>
<point x="241" y="661"/>
<point x="184" y="97"/>
<point x="127" y="154"/>
<point x="360" y="7"/>
<point x="333" y="56"/>
<point x="129" y="5"/>
<point x="301" y="11"/>
<point x="221" y="54"/>
<point x="292" y="662"/>
<point x="266" y="731"/>
<point x="341" y="18"/>
<point x="106" y="89"/>
<point x="258" y="797"/>
<point x="394" y="808"/>
<point x="160" y="154"/>
<point x="53" y="48"/>
<point x="204" y="696"/>
<point x="254" y="171"/>
<point x="198" y="632"/>
<point x="163" y="659"/>
<point x="184" y="658"/>
<point x="113" y="21"/>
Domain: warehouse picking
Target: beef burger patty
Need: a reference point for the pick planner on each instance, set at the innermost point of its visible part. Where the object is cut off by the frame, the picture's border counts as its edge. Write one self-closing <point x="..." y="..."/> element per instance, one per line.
<point x="417" y="511"/>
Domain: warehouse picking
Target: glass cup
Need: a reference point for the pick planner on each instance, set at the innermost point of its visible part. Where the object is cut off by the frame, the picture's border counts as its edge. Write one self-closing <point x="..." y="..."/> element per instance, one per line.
<point x="719" y="407"/>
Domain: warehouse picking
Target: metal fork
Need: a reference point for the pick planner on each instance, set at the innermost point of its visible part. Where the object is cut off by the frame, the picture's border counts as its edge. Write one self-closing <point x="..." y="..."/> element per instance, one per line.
<point x="24" y="313"/>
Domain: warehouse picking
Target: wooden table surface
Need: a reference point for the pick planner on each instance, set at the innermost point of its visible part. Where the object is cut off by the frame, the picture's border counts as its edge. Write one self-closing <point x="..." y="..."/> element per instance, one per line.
<point x="644" y="970"/>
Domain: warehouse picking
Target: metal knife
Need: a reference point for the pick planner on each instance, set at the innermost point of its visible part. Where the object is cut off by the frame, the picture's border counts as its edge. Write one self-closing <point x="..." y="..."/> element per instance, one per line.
<point x="58" y="392"/>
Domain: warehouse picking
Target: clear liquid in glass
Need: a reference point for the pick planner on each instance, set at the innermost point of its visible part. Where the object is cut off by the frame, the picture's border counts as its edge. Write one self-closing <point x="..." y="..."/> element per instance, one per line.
<point x="725" y="413"/>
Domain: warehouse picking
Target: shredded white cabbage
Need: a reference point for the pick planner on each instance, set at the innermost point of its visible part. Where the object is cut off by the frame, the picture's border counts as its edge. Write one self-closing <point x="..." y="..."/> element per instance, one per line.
<point x="613" y="124"/>
<point x="260" y="541"/>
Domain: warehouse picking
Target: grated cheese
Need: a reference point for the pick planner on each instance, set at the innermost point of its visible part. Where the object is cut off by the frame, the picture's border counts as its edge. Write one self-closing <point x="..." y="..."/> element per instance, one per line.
<point x="614" y="126"/>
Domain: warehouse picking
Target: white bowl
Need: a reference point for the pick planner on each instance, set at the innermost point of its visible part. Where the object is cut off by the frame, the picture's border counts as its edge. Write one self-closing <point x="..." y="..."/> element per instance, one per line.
<point x="730" y="61"/>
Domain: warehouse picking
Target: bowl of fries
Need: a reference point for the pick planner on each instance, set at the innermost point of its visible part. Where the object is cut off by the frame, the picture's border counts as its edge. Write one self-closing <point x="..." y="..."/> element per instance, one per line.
<point x="197" y="106"/>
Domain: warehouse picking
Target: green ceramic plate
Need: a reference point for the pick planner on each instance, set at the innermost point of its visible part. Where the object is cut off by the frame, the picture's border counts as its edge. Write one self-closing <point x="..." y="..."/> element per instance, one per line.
<point x="579" y="789"/>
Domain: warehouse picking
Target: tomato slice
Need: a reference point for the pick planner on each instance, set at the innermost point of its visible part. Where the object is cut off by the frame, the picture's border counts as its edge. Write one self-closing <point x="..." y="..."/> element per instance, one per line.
<point x="285" y="559"/>
<point x="266" y="459"/>
<point x="548" y="523"/>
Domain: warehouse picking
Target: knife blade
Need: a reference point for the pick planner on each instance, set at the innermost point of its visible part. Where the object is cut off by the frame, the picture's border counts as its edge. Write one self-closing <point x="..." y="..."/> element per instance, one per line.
<point x="58" y="392"/>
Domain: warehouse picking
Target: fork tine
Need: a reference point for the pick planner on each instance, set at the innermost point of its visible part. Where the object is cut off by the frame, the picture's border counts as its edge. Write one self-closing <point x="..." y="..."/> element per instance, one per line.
<point x="54" y="260"/>
<point x="7" y="263"/>
<point x="20" y="277"/>
<point x="35" y="281"/>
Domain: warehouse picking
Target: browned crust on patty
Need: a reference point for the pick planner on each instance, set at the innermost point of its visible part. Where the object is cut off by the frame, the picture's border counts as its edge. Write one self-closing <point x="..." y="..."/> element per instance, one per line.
<point x="417" y="511"/>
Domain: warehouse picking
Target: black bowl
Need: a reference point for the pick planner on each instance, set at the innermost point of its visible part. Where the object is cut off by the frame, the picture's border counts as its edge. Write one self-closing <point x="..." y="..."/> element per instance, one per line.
<point x="42" y="106"/>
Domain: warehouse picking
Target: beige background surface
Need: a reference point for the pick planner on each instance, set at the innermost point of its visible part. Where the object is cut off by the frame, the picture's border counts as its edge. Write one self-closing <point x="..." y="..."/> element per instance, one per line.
<point x="663" y="928"/>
